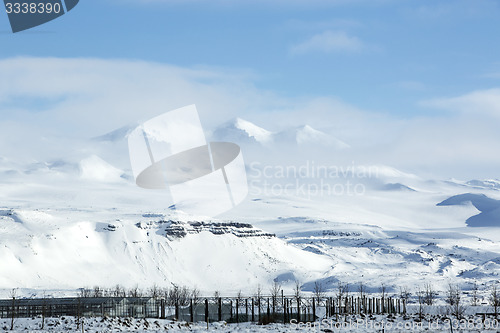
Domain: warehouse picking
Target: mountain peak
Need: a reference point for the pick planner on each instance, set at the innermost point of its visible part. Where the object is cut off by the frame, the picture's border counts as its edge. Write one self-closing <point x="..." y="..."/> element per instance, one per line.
<point x="116" y="135"/>
<point x="239" y="129"/>
<point x="244" y="131"/>
<point x="306" y="134"/>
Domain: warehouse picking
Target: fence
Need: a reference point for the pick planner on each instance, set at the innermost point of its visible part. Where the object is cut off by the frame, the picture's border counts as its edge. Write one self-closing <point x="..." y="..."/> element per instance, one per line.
<point x="79" y="307"/>
<point x="255" y="309"/>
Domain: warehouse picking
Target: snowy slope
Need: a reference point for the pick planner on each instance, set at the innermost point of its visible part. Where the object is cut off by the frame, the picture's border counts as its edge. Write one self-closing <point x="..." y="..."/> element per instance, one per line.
<point x="43" y="250"/>
<point x="104" y="233"/>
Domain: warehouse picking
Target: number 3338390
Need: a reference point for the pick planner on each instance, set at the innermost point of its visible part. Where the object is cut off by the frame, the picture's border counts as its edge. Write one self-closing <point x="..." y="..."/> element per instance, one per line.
<point x="32" y="8"/>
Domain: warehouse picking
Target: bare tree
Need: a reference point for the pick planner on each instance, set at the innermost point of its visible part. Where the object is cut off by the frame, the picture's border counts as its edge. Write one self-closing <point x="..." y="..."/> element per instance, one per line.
<point x="275" y="293"/>
<point x="154" y="291"/>
<point x="98" y="292"/>
<point x="383" y="295"/>
<point x="185" y="294"/>
<point x="85" y="292"/>
<point x="118" y="291"/>
<point x="134" y="292"/>
<point x="430" y="294"/>
<point x="216" y="294"/>
<point x="475" y="294"/>
<point x="178" y="295"/>
<point x="342" y="293"/>
<point x="342" y="290"/>
<point x="195" y="295"/>
<point x="44" y="306"/>
<point x="362" y="290"/>
<point x="421" y="296"/>
<point x="451" y="294"/>
<point x="13" y="295"/>
<point x="383" y="291"/>
<point x="258" y="296"/>
<point x="297" y="293"/>
<point x="275" y="290"/>
<point x="494" y="298"/>
<point x="319" y="290"/>
<point x="404" y="293"/>
<point x="454" y="299"/>
<point x="164" y="293"/>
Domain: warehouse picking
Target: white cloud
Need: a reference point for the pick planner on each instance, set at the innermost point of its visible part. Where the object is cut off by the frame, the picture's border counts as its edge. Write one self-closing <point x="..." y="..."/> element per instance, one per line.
<point x="69" y="99"/>
<point x="92" y="96"/>
<point x="477" y="102"/>
<point x="329" y="42"/>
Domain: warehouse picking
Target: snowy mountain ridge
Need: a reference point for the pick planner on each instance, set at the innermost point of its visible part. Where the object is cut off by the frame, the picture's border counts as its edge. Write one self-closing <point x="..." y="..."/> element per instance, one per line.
<point x="243" y="131"/>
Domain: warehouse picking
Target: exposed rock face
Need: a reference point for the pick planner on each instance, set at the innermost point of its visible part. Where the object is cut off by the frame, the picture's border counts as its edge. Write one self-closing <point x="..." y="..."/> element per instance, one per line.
<point x="179" y="229"/>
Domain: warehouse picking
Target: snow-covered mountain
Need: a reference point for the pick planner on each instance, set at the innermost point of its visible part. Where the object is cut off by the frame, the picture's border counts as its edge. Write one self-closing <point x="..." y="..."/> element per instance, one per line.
<point x="306" y="135"/>
<point x="95" y="168"/>
<point x="489" y="215"/>
<point x="484" y="184"/>
<point x="242" y="131"/>
<point x="69" y="249"/>
<point x="117" y="135"/>
<point x="79" y="220"/>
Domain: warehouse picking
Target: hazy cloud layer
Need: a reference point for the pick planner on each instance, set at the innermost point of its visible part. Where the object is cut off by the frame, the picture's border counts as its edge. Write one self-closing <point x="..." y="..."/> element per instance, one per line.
<point x="477" y="102"/>
<point x="73" y="99"/>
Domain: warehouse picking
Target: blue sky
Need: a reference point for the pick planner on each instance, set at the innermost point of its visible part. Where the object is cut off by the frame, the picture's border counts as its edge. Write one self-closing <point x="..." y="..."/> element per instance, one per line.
<point x="412" y="84"/>
<point x="381" y="55"/>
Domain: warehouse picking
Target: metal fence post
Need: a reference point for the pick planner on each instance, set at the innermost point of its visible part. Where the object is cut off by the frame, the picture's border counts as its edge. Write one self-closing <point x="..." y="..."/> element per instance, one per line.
<point x="298" y="310"/>
<point x="268" y="309"/>
<point x="237" y="310"/>
<point x="191" y="311"/>
<point x="253" y="310"/>
<point x="284" y="310"/>
<point x="220" y="308"/>
<point x="206" y="311"/>
<point x="314" y="311"/>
